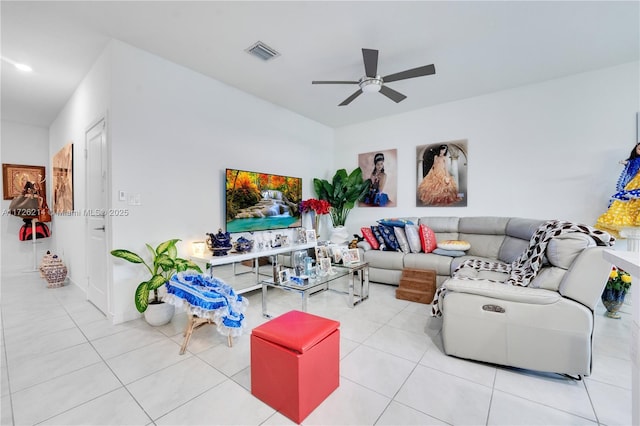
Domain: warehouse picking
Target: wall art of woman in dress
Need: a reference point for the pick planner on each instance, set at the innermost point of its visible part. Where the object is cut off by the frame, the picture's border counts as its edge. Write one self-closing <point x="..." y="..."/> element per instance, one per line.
<point x="624" y="206"/>
<point x="438" y="188"/>
<point x="376" y="195"/>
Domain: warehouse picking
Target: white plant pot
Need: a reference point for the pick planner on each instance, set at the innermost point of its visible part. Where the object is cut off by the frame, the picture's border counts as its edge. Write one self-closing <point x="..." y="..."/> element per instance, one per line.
<point x="159" y="314"/>
<point x="339" y="235"/>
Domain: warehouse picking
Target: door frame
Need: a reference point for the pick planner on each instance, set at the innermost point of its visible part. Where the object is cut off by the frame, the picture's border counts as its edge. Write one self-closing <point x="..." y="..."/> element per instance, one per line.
<point x="108" y="231"/>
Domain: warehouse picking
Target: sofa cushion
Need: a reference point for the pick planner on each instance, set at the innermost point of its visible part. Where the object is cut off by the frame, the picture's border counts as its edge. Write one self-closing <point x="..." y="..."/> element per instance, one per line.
<point x="389" y="237"/>
<point x="458" y="245"/>
<point x="548" y="278"/>
<point x="376" y="233"/>
<point x="483" y="275"/>
<point x="427" y="239"/>
<point x="450" y="253"/>
<point x="401" y="236"/>
<point x="483" y="225"/>
<point x="440" y="264"/>
<point x="469" y="272"/>
<point x="367" y="233"/>
<point x="385" y="259"/>
<point x="445" y="228"/>
<point x="503" y="291"/>
<point x="562" y="250"/>
<point x="483" y="245"/>
<point x="413" y="236"/>
<point x="511" y="249"/>
<point x="395" y="222"/>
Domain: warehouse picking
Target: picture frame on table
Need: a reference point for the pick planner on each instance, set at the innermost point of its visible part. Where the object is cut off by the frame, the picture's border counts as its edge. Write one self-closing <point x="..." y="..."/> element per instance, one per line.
<point x="284" y="276"/>
<point x="336" y="253"/>
<point x="310" y="235"/>
<point x="351" y="256"/>
<point x="324" y="266"/>
<point x="322" y="252"/>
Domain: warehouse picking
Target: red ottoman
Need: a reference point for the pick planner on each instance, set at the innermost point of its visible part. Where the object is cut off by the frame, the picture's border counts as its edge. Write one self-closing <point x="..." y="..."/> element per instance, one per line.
<point x="295" y="362"/>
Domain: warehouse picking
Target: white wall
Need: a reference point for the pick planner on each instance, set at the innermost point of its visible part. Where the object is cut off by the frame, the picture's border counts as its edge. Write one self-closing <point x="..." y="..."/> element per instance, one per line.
<point x="172" y="132"/>
<point x="543" y="151"/>
<point x="28" y="145"/>
<point x="89" y="103"/>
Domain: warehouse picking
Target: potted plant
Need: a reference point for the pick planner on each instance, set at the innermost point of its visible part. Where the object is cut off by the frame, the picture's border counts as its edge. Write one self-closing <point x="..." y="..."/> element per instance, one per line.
<point x="342" y="193"/>
<point x="163" y="265"/>
<point x="616" y="288"/>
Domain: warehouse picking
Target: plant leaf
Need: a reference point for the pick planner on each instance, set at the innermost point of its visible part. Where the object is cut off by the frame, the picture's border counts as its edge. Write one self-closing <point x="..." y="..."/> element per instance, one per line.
<point x="127" y="255"/>
<point x="165" y="262"/>
<point x="184" y="264"/>
<point x="163" y="247"/>
<point x="156" y="282"/>
<point x="142" y="297"/>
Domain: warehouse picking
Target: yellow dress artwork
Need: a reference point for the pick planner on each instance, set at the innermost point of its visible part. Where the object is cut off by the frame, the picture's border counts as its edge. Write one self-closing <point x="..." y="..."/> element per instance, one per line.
<point x="438" y="188"/>
<point x="624" y="209"/>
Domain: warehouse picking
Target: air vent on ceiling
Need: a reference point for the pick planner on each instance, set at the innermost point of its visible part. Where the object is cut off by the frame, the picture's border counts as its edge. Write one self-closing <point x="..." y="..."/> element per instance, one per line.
<point x="262" y="51"/>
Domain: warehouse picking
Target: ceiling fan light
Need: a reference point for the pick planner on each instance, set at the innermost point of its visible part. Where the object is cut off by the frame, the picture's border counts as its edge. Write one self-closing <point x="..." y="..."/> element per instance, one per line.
<point x="371" y="85"/>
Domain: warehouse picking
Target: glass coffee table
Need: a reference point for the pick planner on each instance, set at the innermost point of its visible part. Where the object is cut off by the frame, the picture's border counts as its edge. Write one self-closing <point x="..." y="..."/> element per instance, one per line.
<point x="358" y="274"/>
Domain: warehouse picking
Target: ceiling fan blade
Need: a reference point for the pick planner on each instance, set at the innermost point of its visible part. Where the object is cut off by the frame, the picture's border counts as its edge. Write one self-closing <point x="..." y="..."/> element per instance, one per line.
<point x="415" y="72"/>
<point x="392" y="94"/>
<point x="334" y="82"/>
<point x="370" y="57"/>
<point x="351" y="98"/>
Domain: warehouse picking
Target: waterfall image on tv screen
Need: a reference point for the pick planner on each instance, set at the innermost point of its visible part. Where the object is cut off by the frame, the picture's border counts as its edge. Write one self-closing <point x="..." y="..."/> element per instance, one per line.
<point x="261" y="201"/>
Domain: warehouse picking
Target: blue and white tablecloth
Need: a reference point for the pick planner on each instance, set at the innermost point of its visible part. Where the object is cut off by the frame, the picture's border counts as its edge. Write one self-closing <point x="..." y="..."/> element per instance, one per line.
<point x="208" y="297"/>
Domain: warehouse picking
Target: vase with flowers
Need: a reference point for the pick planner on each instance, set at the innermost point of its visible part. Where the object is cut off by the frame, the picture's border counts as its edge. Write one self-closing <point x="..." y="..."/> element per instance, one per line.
<point x="614" y="292"/>
<point x="315" y="208"/>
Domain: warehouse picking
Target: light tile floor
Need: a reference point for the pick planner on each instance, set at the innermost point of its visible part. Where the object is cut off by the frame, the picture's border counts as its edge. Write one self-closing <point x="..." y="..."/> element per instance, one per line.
<point x="63" y="363"/>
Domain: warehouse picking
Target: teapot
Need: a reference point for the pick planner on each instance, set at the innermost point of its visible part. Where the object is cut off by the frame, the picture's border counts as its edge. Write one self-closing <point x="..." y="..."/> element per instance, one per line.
<point x="219" y="243"/>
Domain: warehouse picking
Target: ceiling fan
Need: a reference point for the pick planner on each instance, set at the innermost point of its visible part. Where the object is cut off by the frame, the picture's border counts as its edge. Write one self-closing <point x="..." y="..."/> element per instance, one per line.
<point x="372" y="82"/>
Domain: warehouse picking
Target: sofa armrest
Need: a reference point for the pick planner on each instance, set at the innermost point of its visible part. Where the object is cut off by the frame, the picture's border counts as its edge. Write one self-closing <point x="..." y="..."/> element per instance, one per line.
<point x="365" y="246"/>
<point x="586" y="278"/>
<point x="500" y="291"/>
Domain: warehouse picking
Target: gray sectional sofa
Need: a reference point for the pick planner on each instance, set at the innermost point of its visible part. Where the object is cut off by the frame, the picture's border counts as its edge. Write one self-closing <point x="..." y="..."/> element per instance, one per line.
<point x="491" y="238"/>
<point x="547" y="325"/>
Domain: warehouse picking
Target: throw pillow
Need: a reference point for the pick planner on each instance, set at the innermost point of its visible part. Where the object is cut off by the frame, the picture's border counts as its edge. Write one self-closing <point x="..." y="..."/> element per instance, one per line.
<point x="427" y="239"/>
<point x="395" y="222"/>
<point x="413" y="236"/>
<point x="450" y="253"/>
<point x="378" y="235"/>
<point x="367" y="233"/>
<point x="389" y="237"/>
<point x="401" y="236"/>
<point x="454" y="245"/>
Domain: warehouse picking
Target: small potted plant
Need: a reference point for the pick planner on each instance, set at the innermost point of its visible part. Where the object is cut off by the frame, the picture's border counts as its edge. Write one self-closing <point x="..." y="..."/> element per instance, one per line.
<point x="617" y="286"/>
<point x="163" y="265"/>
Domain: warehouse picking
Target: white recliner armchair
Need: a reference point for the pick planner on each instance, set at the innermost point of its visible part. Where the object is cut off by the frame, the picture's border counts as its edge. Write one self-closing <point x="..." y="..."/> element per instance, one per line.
<point x="546" y="326"/>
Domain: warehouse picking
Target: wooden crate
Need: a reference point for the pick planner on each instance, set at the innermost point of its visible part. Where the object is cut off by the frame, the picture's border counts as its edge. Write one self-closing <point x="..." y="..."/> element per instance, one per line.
<point x="261" y="262"/>
<point x="417" y="285"/>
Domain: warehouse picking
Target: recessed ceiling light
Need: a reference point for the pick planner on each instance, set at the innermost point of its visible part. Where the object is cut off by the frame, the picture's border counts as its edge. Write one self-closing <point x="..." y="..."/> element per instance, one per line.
<point x="23" y="67"/>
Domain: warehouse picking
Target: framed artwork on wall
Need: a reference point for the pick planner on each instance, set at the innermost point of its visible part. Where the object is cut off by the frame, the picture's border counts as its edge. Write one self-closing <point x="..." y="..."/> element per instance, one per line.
<point x="63" y="180"/>
<point x="16" y="176"/>
<point x="442" y="174"/>
<point x="382" y="168"/>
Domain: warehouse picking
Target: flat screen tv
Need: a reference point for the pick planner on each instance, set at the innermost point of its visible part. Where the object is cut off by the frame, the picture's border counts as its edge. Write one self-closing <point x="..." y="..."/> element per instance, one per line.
<point x="261" y="201"/>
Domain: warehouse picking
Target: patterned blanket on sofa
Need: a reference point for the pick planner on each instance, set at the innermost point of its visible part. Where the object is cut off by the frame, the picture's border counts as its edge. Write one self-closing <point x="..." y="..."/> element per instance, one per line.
<point x="525" y="268"/>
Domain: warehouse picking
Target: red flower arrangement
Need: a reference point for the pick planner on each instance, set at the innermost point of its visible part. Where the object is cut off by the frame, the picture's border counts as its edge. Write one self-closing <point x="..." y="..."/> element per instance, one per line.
<point x="318" y="206"/>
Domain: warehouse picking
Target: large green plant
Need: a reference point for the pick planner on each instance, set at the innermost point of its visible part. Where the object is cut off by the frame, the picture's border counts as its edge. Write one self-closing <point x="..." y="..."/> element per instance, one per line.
<point x="164" y="264"/>
<point x="342" y="193"/>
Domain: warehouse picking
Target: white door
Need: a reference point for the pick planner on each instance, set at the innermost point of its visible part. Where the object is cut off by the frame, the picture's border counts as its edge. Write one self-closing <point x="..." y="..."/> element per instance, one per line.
<point x="96" y="255"/>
